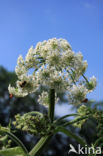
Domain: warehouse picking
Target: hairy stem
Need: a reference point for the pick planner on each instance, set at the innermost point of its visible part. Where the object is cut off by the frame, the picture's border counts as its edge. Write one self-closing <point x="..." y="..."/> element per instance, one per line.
<point x="51" y="104"/>
<point x="38" y="148"/>
<point x="74" y="121"/>
<point x="65" y="116"/>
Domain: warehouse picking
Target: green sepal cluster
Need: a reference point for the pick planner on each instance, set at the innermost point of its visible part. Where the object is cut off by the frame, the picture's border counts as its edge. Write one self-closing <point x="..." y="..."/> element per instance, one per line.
<point x="98" y="115"/>
<point x="5" y="142"/>
<point x="83" y="111"/>
<point x="35" y="124"/>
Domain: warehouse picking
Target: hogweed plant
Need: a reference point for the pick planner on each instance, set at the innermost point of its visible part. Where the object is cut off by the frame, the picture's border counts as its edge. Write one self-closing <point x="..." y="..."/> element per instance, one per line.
<point x="55" y="66"/>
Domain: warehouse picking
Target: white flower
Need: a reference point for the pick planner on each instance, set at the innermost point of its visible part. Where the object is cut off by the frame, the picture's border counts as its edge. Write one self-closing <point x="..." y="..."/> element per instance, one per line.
<point x="44" y="100"/>
<point x="20" y="68"/>
<point x="77" y="94"/>
<point x="64" y="44"/>
<point x="56" y="66"/>
<point x="58" y="81"/>
<point x="30" y="58"/>
<point x="20" y="61"/>
<point x="67" y="58"/>
<point x="43" y="75"/>
<point x="52" y="78"/>
<point x="11" y="89"/>
<point x="20" y="71"/>
<point x="92" y="84"/>
<point x="53" y="58"/>
<point x="17" y="91"/>
<point x="93" y="80"/>
<point x="79" y="56"/>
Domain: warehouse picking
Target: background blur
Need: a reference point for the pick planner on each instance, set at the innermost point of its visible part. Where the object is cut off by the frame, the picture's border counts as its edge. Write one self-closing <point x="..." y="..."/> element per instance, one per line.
<point x="24" y="23"/>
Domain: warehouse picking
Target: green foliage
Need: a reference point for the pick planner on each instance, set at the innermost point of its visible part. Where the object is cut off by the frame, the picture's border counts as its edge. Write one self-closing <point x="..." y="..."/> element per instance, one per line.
<point x="4" y="142"/>
<point x="98" y="115"/>
<point x="82" y="112"/>
<point x="17" y="151"/>
<point x="9" y="107"/>
<point x="39" y="124"/>
<point x="94" y="121"/>
<point x="34" y="123"/>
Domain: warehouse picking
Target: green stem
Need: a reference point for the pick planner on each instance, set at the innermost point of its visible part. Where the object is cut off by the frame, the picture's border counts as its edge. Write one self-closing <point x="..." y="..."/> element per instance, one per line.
<point x="34" y="113"/>
<point x="51" y="104"/>
<point x="71" y="76"/>
<point x="98" y="141"/>
<point x="16" y="140"/>
<point x="38" y="148"/>
<point x="70" y="134"/>
<point x="65" y="116"/>
<point x="74" y="121"/>
<point x="85" y="78"/>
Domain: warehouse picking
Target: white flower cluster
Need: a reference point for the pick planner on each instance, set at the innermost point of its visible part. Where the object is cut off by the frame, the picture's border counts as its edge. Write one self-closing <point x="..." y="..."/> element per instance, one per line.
<point x="55" y="66"/>
<point x="44" y="99"/>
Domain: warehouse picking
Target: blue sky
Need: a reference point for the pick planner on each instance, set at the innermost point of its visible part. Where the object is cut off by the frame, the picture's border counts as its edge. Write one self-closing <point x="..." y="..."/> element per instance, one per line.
<point x="25" y="22"/>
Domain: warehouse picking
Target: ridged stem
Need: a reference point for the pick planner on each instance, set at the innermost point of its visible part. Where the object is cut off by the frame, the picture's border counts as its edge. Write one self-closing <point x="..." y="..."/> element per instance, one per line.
<point x="38" y="148"/>
<point x="74" y="121"/>
<point x="51" y="104"/>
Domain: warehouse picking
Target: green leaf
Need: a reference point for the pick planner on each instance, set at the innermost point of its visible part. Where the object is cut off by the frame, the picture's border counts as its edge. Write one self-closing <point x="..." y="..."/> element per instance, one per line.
<point x="17" y="151"/>
<point x="70" y="134"/>
<point x="65" y="116"/>
<point x="4" y="130"/>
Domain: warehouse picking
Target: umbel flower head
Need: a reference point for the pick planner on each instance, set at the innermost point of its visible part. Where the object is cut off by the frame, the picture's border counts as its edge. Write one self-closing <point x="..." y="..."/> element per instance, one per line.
<point x="35" y="124"/>
<point x="55" y="66"/>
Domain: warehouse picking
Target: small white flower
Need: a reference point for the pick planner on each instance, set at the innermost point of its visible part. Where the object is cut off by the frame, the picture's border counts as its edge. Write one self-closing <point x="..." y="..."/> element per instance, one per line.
<point x="77" y="94"/>
<point x="55" y="66"/>
<point x="30" y="59"/>
<point x="20" y="70"/>
<point x="44" y="100"/>
<point x="20" y="61"/>
<point x="92" y="84"/>
<point x="53" y="58"/>
<point x="64" y="44"/>
<point x="18" y="92"/>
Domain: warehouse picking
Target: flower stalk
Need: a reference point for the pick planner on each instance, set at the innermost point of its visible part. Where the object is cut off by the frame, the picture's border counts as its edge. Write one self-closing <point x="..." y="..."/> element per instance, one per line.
<point x="51" y="104"/>
<point x="38" y="148"/>
<point x="75" y="121"/>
